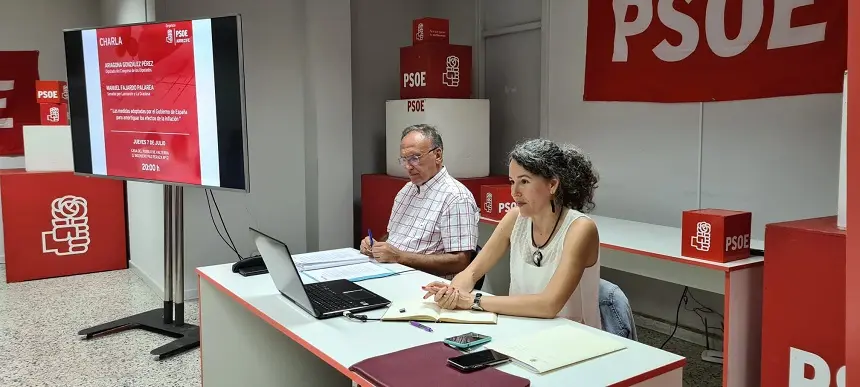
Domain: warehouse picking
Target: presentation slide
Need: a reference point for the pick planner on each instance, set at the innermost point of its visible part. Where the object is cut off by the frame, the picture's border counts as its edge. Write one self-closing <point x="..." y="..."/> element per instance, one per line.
<point x="160" y="102"/>
<point x="155" y="97"/>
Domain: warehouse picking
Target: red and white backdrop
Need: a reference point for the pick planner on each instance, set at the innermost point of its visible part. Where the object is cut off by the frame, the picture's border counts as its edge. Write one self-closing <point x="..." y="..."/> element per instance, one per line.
<point x="19" y="71"/>
<point x="716" y="50"/>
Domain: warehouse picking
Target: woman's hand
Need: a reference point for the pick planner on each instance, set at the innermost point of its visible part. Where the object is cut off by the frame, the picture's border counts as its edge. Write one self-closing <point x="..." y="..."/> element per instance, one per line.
<point x="463" y="281"/>
<point x="448" y="297"/>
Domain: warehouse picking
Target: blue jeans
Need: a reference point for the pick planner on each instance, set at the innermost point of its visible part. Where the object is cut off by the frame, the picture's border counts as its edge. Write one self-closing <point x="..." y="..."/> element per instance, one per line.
<point x="616" y="316"/>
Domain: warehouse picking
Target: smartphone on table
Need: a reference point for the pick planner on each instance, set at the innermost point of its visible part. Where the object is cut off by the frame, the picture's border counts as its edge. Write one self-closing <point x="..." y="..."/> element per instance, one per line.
<point x="467" y="340"/>
<point x="477" y="360"/>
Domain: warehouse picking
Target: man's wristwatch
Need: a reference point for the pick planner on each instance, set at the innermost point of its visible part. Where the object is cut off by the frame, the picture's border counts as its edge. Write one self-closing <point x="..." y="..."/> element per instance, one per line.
<point x="476" y="304"/>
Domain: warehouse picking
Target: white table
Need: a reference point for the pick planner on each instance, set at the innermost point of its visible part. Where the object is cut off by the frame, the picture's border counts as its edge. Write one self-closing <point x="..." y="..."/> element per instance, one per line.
<point x="252" y="335"/>
<point x="654" y="251"/>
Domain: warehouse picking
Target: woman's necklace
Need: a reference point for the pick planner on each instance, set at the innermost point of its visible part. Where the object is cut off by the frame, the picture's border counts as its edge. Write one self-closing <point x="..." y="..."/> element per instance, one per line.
<point x="537" y="257"/>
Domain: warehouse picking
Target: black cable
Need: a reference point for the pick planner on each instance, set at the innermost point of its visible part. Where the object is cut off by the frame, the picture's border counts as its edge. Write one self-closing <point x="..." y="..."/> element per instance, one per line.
<point x="218" y="209"/>
<point x="359" y="317"/>
<point x="215" y="224"/>
<point x="677" y="317"/>
<point x="703" y="307"/>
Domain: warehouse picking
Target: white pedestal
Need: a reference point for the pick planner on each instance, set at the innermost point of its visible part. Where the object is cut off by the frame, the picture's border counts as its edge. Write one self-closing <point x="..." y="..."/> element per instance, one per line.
<point x="48" y="148"/>
<point x="463" y="123"/>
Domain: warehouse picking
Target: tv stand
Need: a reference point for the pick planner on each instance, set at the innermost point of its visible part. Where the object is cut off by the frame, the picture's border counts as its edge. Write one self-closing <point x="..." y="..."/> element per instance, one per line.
<point x="170" y="319"/>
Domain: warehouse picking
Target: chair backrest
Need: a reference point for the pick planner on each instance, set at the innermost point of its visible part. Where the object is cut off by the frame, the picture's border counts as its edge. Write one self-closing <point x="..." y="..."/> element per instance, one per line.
<point x="480" y="282"/>
<point x="616" y="315"/>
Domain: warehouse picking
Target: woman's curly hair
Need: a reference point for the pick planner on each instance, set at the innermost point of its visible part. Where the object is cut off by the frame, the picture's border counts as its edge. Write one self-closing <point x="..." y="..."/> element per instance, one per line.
<point x="574" y="171"/>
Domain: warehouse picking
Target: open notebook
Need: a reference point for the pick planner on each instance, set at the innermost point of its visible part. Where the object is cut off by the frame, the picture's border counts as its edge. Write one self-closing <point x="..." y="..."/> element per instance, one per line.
<point x="429" y="311"/>
<point x="556" y="347"/>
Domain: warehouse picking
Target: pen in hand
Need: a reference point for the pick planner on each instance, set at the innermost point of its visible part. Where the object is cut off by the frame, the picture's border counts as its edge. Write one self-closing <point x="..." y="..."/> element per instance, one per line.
<point x="370" y="236"/>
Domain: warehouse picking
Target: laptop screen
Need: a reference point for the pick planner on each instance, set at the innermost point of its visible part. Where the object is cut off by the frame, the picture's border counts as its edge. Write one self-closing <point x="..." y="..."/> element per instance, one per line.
<point x="280" y="264"/>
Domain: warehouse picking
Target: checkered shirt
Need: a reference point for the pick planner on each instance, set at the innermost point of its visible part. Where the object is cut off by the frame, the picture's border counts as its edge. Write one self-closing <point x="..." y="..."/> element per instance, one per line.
<point x="439" y="216"/>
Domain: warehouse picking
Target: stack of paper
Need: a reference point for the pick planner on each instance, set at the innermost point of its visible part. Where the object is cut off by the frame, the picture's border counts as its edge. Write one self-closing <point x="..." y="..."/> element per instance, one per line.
<point x="556" y="347"/>
<point x="354" y="272"/>
<point x="329" y="258"/>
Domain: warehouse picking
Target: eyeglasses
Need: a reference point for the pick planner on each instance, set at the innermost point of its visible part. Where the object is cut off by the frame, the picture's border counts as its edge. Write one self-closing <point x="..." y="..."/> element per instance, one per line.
<point x="414" y="159"/>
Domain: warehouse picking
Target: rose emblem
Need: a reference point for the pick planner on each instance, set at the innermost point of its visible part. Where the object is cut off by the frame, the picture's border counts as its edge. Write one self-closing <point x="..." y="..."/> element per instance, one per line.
<point x="69" y="207"/>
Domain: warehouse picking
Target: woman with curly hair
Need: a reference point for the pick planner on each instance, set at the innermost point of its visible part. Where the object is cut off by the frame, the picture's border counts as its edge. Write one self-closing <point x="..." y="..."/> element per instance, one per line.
<point x="554" y="246"/>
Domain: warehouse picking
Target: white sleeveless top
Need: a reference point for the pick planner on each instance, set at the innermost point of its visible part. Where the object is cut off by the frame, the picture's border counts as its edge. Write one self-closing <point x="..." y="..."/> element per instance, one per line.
<point x="526" y="278"/>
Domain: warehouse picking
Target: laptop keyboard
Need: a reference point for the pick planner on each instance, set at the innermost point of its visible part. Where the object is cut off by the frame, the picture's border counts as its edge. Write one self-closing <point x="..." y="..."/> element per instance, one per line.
<point x="327" y="300"/>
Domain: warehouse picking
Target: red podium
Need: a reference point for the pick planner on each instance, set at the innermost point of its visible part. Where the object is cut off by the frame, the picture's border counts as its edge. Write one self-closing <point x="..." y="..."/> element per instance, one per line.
<point x="378" y="192"/>
<point x="57" y="224"/>
<point x="803" y="306"/>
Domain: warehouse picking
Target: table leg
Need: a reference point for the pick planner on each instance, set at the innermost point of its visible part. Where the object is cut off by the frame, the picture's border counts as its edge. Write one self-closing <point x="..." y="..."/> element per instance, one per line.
<point x="239" y="348"/>
<point x="742" y="327"/>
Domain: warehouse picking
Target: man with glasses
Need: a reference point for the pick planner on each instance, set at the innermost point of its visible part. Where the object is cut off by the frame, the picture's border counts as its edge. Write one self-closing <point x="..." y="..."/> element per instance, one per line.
<point x="434" y="222"/>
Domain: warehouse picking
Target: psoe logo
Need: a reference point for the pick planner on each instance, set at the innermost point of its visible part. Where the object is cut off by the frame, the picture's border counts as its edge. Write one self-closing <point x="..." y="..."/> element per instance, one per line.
<point x="54" y="114"/>
<point x="70" y="231"/>
<point x="169" y="38"/>
<point x="801" y="361"/>
<point x="488" y="202"/>
<point x="419" y="35"/>
<point x="451" y="76"/>
<point x="702" y="240"/>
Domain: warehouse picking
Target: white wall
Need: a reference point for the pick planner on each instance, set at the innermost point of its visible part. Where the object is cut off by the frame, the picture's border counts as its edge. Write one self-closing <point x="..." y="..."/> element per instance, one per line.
<point x="38" y="25"/>
<point x="803" y="132"/>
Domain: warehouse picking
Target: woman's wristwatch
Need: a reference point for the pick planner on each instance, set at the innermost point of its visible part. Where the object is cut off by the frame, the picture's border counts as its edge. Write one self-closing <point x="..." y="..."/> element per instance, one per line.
<point x="476" y="304"/>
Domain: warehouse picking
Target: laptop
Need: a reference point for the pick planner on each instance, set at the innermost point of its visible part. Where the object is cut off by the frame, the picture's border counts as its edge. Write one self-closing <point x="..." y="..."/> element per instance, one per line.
<point x="321" y="299"/>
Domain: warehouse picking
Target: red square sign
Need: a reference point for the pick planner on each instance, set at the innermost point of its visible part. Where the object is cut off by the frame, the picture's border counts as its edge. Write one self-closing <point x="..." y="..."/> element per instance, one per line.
<point x="52" y="92"/>
<point x="430" y="29"/>
<point x="435" y="70"/>
<point x="496" y="201"/>
<point x="57" y="224"/>
<point x="716" y="235"/>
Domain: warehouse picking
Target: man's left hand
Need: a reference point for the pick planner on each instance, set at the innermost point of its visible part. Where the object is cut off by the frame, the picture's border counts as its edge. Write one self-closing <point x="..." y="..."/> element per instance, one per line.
<point x="385" y="253"/>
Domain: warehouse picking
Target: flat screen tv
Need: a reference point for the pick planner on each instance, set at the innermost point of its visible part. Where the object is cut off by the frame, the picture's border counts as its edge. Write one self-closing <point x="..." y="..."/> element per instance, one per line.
<point x="160" y="102"/>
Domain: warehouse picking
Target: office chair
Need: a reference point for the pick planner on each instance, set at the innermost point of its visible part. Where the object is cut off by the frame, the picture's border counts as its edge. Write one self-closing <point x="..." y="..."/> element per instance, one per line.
<point x="616" y="315"/>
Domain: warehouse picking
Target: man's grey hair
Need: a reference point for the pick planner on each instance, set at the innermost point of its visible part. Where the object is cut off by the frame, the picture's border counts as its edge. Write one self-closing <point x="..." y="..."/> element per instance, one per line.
<point x="428" y="131"/>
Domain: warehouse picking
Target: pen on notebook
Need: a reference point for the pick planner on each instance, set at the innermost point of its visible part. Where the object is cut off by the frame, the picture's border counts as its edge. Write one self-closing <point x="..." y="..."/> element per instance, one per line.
<point x="420" y="326"/>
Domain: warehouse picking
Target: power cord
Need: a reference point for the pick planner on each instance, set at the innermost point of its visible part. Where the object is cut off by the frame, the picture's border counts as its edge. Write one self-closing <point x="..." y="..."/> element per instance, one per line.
<point x="677" y="317"/>
<point x="686" y="296"/>
<point x="210" y="200"/>
<point x="704" y="309"/>
<point x="359" y="317"/>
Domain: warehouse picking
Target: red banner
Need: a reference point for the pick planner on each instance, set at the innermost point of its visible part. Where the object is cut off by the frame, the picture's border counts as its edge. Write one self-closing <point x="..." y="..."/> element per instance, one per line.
<point x="715" y="50"/>
<point x="149" y="100"/>
<point x="19" y="71"/>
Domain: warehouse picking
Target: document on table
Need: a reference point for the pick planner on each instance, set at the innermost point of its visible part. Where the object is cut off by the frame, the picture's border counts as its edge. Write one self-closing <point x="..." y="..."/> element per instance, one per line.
<point x="555" y="347"/>
<point x="355" y="272"/>
<point x="329" y="258"/>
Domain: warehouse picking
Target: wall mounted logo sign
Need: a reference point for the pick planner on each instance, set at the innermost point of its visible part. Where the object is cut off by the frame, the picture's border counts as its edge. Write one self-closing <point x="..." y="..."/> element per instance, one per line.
<point x="703" y="51"/>
<point x="702" y="240"/>
<point x="488" y="202"/>
<point x="70" y="232"/>
<point x="5" y="87"/>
